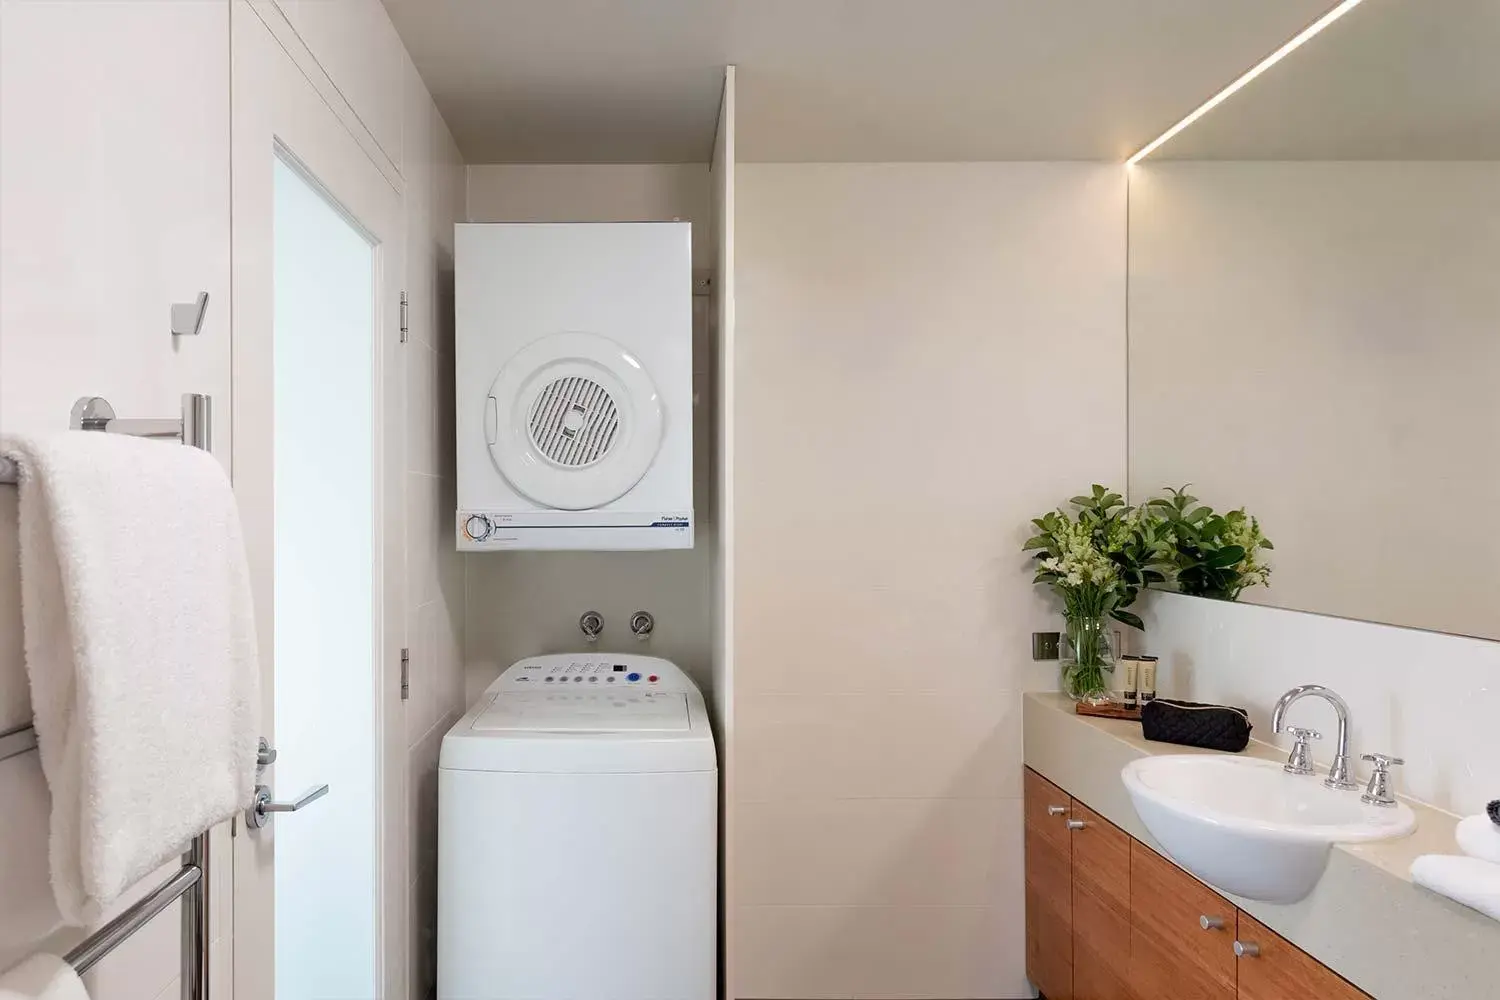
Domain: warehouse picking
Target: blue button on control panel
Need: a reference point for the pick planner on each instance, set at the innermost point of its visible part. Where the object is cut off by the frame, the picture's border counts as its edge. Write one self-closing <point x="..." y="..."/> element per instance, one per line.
<point x="632" y="676"/>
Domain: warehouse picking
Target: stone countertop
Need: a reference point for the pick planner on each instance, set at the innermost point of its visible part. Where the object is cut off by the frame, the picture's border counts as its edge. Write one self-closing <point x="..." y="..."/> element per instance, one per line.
<point x="1365" y="919"/>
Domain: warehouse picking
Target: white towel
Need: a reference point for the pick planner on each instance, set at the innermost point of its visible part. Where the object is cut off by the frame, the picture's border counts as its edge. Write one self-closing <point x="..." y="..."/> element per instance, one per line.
<point x="1469" y="881"/>
<point x="42" y="977"/>
<point x="15" y="696"/>
<point x="1479" y="838"/>
<point x="140" y="646"/>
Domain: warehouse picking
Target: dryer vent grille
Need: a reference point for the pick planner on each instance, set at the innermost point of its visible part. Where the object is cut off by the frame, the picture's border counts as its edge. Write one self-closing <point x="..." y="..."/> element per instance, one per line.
<point x="574" y="421"/>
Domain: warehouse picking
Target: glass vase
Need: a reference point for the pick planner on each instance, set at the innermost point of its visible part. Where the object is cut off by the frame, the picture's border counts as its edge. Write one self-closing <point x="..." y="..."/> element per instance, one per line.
<point x="1087" y="658"/>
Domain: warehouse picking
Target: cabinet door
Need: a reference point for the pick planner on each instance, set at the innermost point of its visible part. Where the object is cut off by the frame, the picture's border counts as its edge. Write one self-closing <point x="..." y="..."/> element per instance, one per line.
<point x="1101" y="907"/>
<point x="1171" y="953"/>
<point x="1274" y="969"/>
<point x="1049" y="889"/>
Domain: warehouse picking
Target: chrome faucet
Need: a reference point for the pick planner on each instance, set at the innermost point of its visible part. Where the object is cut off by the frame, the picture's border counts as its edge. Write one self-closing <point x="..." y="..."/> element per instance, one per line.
<point x="1338" y="772"/>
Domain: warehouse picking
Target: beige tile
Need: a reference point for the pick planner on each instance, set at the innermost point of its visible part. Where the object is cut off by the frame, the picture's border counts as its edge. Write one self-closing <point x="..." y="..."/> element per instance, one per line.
<point x="419" y="701"/>
<point x="422" y="403"/>
<point x="921" y="852"/>
<point x="422" y="804"/>
<point x="929" y="745"/>
<point x="923" y="953"/>
<point x="427" y="532"/>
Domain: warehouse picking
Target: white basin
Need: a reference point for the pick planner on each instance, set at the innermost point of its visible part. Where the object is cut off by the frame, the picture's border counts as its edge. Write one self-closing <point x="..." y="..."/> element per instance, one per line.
<point x="1248" y="827"/>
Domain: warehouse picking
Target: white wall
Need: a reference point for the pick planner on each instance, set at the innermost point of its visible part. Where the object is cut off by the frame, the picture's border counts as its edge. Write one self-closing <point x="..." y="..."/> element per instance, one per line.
<point x="1317" y="342"/>
<point x="114" y="196"/>
<point x="926" y="356"/>
<point x="722" y="555"/>
<point x="104" y="227"/>
<point x="523" y="603"/>
<point x="1429" y="698"/>
<point x="434" y="185"/>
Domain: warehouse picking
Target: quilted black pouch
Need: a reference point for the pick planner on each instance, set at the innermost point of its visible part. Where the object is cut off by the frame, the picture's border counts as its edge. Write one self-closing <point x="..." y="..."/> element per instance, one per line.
<point x="1189" y="724"/>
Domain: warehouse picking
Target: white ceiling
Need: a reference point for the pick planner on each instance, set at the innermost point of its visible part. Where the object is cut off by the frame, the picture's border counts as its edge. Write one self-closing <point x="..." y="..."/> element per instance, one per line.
<point x="638" y="81"/>
<point x="1391" y="80"/>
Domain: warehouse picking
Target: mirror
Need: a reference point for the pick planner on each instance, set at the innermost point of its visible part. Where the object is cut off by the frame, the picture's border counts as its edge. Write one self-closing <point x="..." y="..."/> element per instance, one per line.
<point x="1314" y="316"/>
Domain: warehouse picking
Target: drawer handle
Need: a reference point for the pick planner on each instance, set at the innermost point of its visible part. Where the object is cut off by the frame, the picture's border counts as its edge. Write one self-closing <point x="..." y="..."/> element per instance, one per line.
<point x="1076" y="824"/>
<point x="1056" y="810"/>
<point x="1246" y="949"/>
<point x="1211" y="923"/>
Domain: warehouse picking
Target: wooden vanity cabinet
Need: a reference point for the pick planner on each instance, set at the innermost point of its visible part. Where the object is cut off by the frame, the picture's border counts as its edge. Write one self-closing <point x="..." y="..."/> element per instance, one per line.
<point x="1275" y="969"/>
<point x="1172" y="953"/>
<point x="1049" y="888"/>
<point x="1107" y="918"/>
<point x="1101" y="907"/>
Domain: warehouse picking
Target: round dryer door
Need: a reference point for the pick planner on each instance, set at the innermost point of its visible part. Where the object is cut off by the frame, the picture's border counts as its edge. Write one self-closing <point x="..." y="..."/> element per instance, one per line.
<point x="578" y="421"/>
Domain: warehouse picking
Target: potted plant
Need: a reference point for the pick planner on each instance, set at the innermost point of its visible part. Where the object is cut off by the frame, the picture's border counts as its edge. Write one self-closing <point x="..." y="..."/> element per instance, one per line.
<point x="1096" y="560"/>
<point x="1214" y="555"/>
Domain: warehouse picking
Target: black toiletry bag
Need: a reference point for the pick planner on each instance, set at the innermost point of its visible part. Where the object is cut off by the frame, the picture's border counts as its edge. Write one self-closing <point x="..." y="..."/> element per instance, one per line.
<point x="1189" y="724"/>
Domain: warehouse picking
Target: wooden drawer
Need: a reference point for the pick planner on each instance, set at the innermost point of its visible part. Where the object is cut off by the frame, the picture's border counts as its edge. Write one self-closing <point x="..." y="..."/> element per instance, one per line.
<point x="1281" y="971"/>
<point x="1101" y="908"/>
<point x="1171" y="954"/>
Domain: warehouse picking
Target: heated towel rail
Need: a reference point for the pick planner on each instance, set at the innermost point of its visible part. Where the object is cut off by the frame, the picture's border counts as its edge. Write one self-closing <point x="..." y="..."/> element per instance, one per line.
<point x="190" y="883"/>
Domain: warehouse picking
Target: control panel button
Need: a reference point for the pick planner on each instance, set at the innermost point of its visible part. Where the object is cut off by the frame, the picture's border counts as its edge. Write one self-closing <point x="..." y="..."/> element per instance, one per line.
<point x="653" y="678"/>
<point x="478" y="527"/>
<point x="632" y="676"/>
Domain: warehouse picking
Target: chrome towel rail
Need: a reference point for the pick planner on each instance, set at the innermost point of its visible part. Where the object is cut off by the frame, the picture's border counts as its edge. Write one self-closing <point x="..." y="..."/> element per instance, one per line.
<point x="190" y="883"/>
<point x="93" y="413"/>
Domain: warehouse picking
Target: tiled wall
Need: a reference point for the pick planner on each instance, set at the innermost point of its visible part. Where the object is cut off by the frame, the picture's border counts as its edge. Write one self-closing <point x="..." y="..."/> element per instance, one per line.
<point x="523" y="603"/>
<point x="434" y="175"/>
<point x="87" y="268"/>
<point x="926" y="356"/>
<point x="1430" y="698"/>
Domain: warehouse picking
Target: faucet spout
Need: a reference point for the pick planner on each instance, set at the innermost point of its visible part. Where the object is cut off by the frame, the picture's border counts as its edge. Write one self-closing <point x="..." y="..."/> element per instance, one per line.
<point x="1338" y="772"/>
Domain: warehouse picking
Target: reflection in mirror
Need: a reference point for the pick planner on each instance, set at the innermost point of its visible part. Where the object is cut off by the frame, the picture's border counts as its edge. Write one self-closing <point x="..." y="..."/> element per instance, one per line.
<point x="1314" y="316"/>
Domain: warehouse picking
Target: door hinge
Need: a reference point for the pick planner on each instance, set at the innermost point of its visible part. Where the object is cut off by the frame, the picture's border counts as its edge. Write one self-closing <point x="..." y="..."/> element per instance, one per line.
<point x="405" y="674"/>
<point x="404" y="327"/>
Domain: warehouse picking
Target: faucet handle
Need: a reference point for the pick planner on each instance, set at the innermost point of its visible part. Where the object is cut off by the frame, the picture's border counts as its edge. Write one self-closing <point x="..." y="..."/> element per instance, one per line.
<point x="1299" y="761"/>
<point x="1378" y="791"/>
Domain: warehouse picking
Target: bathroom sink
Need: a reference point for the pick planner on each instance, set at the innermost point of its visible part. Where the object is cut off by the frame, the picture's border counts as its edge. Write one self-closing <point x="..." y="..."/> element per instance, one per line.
<point x="1248" y="827"/>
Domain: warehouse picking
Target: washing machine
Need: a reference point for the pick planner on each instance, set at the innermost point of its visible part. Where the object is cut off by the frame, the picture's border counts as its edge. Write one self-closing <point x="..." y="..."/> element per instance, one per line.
<point x="574" y="385"/>
<point x="578" y="836"/>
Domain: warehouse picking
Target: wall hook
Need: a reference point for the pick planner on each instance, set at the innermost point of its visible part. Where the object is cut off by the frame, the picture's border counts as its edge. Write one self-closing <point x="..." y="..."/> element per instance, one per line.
<point x="187" y="317"/>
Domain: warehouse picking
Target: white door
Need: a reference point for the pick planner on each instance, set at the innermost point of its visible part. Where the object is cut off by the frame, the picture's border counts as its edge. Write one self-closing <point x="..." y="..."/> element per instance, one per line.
<point x="316" y="287"/>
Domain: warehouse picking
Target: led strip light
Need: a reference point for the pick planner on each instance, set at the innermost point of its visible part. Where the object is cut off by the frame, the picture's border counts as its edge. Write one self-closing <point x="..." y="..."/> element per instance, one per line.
<point x="1271" y="60"/>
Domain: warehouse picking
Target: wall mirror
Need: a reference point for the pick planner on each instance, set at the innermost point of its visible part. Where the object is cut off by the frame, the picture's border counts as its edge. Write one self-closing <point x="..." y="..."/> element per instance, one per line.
<point x="1314" y="316"/>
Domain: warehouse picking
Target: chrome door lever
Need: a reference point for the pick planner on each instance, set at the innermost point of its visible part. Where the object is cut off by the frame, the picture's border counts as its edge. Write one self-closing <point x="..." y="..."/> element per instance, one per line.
<point x="260" y="810"/>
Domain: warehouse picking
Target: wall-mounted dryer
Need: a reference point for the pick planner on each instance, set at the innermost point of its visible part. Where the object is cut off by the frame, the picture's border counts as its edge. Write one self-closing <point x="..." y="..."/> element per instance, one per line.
<point x="574" y="385"/>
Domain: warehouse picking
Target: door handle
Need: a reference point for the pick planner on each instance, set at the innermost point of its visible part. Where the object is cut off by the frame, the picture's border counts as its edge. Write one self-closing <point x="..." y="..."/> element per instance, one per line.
<point x="259" y="813"/>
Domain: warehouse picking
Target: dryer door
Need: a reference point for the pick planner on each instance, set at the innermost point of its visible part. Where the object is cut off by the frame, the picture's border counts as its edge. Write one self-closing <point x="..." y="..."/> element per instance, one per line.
<point x="577" y="421"/>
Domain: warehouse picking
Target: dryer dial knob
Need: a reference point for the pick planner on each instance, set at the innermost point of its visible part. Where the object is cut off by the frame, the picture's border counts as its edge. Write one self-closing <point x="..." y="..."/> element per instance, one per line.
<point x="478" y="527"/>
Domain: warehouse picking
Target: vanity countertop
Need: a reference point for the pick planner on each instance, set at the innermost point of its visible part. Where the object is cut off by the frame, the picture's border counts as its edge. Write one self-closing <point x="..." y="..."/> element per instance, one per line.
<point x="1366" y="919"/>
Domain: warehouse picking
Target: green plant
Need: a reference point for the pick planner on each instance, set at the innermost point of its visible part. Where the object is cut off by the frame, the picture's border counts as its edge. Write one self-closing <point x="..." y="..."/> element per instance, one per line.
<point x="1214" y="555"/>
<point x="1098" y="558"/>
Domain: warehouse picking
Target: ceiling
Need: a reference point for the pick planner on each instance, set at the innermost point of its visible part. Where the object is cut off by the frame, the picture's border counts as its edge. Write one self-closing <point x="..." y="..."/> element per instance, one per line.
<point x="1391" y="80"/>
<point x="638" y="81"/>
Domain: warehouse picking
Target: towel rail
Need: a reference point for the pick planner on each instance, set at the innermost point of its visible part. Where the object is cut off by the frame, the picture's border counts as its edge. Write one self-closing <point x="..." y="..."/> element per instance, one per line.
<point x="190" y="883"/>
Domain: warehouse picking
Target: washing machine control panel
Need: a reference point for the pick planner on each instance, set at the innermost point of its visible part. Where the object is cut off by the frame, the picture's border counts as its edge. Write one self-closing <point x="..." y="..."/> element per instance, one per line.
<point x="593" y="671"/>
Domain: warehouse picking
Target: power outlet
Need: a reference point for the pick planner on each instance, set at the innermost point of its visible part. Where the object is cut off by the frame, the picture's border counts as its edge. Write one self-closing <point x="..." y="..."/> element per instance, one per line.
<point x="1045" y="645"/>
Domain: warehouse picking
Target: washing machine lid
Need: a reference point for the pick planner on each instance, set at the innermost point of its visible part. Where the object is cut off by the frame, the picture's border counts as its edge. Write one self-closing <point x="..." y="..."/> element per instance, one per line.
<point x="585" y="712"/>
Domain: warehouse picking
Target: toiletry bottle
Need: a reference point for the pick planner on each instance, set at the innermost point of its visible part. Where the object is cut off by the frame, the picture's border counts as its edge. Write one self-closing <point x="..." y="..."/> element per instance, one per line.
<point x="1147" y="679"/>
<point x="1129" y="678"/>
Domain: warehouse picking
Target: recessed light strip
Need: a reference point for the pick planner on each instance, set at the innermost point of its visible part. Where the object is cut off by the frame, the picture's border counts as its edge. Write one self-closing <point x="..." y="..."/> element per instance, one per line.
<point x="1271" y="60"/>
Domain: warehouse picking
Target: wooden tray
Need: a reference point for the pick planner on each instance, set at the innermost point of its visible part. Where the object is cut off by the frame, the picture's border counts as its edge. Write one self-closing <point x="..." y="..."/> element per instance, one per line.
<point x="1108" y="711"/>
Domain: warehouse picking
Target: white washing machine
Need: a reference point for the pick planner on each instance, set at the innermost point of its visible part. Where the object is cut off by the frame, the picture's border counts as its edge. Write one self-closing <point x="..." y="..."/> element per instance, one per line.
<point x="578" y="836"/>
<point x="574" y="385"/>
